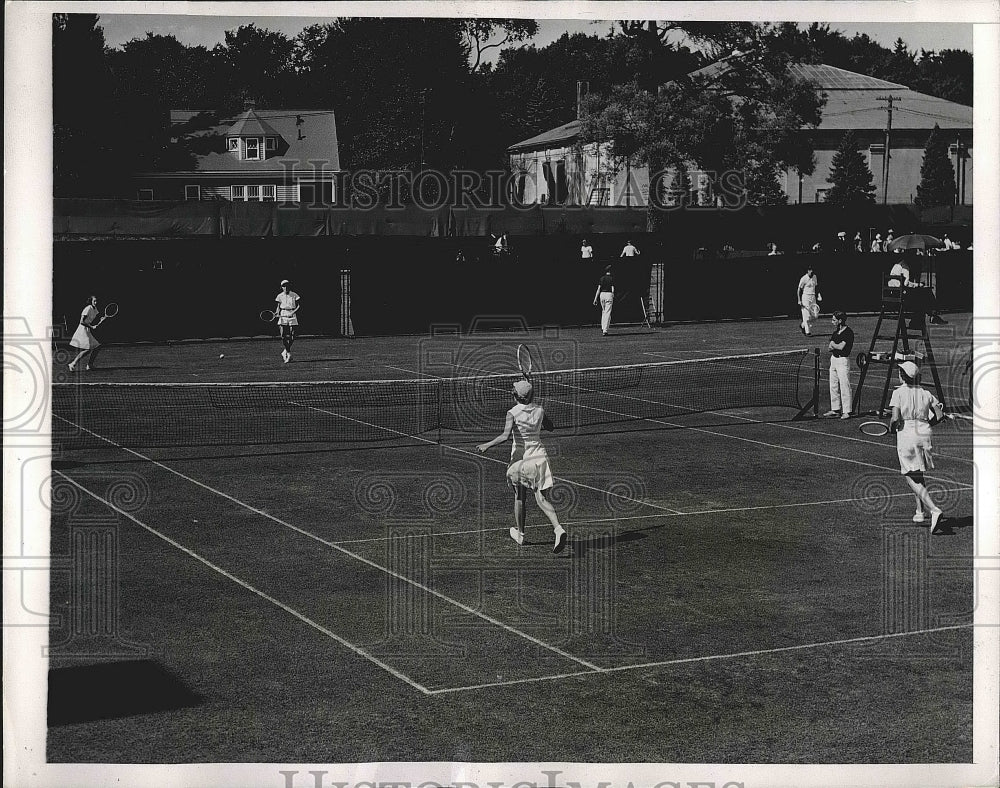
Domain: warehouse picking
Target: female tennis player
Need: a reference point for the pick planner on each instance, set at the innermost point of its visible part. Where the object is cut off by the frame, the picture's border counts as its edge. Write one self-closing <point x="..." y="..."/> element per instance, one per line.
<point x="288" y="305"/>
<point x="529" y="463"/>
<point x="914" y="410"/>
<point x="83" y="338"/>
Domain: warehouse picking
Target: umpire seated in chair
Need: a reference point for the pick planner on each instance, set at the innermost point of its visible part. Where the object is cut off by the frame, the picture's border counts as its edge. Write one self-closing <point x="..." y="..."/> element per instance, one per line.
<point x="918" y="298"/>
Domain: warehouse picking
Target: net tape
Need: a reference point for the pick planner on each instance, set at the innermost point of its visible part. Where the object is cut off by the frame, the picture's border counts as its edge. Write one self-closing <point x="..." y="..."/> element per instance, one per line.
<point x="203" y="414"/>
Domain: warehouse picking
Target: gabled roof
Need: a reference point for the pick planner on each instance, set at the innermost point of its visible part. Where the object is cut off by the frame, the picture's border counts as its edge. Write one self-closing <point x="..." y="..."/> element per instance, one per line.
<point x="851" y="103"/>
<point x="308" y="139"/>
<point x="249" y="125"/>
<point x="554" y="138"/>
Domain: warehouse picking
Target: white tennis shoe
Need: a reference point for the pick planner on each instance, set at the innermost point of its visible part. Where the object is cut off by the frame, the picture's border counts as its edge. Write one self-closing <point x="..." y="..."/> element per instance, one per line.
<point x="517" y="536"/>
<point x="919" y="517"/>
<point x="560" y="543"/>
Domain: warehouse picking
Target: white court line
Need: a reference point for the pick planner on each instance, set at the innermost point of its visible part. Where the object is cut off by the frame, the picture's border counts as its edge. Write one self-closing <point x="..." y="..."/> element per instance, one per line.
<point x="355" y="556"/>
<point x="630" y="518"/>
<point x="826" y="434"/>
<point x="718" y="352"/>
<point x="632" y="417"/>
<point x="319" y="627"/>
<point x="707" y="658"/>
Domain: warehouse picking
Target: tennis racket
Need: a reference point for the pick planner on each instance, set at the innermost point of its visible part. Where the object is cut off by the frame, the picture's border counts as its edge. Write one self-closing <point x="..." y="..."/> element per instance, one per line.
<point x="874" y="428"/>
<point x="268" y="316"/>
<point x="524" y="361"/>
<point x="645" y="314"/>
<point x="109" y="311"/>
<point x="814" y="310"/>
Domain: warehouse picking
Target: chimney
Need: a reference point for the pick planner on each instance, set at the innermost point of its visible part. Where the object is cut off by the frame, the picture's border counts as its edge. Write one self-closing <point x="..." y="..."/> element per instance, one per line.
<point x="582" y="88"/>
<point x="249" y="104"/>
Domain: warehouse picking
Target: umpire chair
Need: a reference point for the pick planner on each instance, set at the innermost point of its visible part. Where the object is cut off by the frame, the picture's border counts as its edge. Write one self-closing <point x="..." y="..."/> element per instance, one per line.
<point x="899" y="304"/>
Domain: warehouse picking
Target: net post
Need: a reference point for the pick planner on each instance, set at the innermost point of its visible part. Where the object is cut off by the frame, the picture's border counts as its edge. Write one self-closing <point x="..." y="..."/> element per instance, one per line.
<point x="812" y="404"/>
<point x="815" y="383"/>
<point x="439" y="385"/>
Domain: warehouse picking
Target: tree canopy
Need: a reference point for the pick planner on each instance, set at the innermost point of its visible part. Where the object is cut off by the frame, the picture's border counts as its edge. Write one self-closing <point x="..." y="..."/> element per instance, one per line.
<point x="414" y="93"/>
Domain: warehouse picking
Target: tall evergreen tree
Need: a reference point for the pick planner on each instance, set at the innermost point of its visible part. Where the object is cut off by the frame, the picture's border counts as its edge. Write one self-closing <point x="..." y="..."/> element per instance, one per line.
<point x="763" y="186"/>
<point x="849" y="175"/>
<point x="937" y="176"/>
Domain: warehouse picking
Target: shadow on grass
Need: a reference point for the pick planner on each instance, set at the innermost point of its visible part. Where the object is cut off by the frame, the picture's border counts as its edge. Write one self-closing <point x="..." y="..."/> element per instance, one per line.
<point x="606" y="541"/>
<point x="113" y="690"/>
<point x="948" y="525"/>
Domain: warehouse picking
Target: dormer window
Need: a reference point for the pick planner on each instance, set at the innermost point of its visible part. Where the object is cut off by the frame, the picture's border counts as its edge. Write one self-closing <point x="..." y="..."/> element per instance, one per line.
<point x="234" y="144"/>
<point x="252" y="149"/>
<point x="271" y="144"/>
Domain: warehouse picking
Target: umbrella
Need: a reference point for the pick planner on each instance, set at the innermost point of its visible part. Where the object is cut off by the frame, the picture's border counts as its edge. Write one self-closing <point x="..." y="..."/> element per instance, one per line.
<point x="916" y="241"/>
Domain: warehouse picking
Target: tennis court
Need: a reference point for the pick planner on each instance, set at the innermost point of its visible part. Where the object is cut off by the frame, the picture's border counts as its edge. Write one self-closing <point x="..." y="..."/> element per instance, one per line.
<point x="322" y="572"/>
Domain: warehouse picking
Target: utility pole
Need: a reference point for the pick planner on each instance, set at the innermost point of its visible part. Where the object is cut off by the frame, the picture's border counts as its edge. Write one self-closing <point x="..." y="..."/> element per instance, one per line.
<point x="886" y="154"/>
<point x="959" y="171"/>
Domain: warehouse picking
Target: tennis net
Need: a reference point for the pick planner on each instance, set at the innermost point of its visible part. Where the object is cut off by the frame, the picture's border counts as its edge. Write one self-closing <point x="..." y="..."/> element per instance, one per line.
<point x="206" y="414"/>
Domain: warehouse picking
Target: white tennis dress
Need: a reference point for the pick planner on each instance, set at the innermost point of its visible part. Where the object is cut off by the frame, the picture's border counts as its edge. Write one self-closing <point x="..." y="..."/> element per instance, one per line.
<point x="83" y="337"/>
<point x="286" y="303"/>
<point x="529" y="462"/>
<point x="913" y="441"/>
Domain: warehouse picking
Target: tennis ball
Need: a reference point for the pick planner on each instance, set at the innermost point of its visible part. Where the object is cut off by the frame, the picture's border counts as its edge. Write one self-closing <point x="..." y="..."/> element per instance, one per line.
<point x="222" y="355"/>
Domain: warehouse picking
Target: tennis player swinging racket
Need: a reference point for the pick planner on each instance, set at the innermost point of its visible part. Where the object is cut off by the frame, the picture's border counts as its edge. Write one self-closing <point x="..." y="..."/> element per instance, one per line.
<point x="529" y="463"/>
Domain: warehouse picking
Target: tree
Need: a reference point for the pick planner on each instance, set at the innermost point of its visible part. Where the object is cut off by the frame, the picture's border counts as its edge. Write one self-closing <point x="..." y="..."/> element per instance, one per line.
<point x="479" y="32"/>
<point x="902" y="65"/>
<point x="394" y="111"/>
<point x="745" y="107"/>
<point x="84" y="135"/>
<point x="255" y="63"/>
<point x="763" y="186"/>
<point x="946" y="74"/>
<point x="849" y="175"/>
<point x="937" y="176"/>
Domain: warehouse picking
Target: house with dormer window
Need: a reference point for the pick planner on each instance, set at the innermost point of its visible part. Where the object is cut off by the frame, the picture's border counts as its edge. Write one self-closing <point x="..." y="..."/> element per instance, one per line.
<point x="259" y="155"/>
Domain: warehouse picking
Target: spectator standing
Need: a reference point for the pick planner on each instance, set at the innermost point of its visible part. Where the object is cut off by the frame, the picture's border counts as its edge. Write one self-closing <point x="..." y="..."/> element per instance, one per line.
<point x="840" y="245"/>
<point x="877" y="243"/>
<point x="772" y="249"/>
<point x="889" y="238"/>
<point x="629" y="250"/>
<point x="586" y="251"/>
<point x="859" y="244"/>
<point x="841" y="343"/>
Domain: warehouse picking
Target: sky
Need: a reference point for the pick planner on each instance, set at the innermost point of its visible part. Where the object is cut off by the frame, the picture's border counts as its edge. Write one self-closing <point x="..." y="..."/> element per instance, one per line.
<point x="207" y="31"/>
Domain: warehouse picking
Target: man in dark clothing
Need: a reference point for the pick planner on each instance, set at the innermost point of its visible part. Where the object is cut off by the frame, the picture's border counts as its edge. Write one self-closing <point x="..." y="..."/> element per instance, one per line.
<point x="841" y="343"/>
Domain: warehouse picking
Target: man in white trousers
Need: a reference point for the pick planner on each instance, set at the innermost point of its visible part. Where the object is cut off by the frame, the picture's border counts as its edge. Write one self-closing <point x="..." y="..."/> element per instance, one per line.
<point x="841" y="342"/>
<point x="606" y="295"/>
<point x="809" y="298"/>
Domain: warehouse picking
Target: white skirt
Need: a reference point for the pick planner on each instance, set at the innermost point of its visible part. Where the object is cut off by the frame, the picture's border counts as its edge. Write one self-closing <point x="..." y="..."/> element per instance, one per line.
<point x="84" y="339"/>
<point x="913" y="445"/>
<point x="531" y="470"/>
